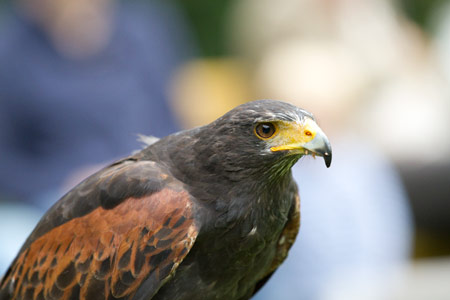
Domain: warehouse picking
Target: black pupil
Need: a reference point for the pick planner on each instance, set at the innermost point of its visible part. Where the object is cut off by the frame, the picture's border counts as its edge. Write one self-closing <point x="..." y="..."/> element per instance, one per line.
<point x="266" y="129"/>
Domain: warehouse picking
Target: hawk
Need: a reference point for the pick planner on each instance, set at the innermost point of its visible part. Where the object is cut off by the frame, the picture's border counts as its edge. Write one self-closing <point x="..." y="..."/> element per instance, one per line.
<point x="206" y="213"/>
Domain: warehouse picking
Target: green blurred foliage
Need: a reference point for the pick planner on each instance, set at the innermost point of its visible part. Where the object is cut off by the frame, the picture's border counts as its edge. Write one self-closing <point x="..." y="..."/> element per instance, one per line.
<point x="420" y="11"/>
<point x="208" y="23"/>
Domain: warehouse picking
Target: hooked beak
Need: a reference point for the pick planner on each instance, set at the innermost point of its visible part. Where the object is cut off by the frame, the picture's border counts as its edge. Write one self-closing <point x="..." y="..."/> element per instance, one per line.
<point x="305" y="138"/>
<point x="320" y="146"/>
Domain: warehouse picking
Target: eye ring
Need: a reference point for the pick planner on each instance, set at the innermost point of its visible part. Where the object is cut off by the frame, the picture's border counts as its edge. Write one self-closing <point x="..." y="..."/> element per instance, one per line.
<point x="265" y="130"/>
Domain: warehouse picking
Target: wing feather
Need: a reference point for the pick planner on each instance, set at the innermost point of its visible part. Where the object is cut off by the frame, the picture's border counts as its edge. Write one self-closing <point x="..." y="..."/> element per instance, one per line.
<point x="109" y="249"/>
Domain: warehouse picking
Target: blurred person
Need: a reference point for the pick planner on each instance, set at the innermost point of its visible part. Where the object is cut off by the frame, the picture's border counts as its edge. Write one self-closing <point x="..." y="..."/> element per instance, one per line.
<point x="78" y="81"/>
<point x="64" y="99"/>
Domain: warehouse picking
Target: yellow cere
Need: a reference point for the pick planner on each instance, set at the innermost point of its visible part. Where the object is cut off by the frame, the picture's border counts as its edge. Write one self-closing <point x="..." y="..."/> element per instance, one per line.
<point x="293" y="135"/>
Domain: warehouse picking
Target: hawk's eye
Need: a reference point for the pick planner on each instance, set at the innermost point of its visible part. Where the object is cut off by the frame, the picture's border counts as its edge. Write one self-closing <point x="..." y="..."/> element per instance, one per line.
<point x="265" y="130"/>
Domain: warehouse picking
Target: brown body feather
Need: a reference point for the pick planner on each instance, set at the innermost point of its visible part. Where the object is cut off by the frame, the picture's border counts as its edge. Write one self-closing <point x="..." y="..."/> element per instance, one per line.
<point x="107" y="252"/>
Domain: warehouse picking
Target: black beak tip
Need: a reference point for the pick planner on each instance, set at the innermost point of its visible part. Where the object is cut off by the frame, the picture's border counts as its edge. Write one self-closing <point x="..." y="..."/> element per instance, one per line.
<point x="327" y="158"/>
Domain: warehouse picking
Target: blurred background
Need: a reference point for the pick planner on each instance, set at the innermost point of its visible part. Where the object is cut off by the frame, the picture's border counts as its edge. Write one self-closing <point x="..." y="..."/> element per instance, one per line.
<point x="80" y="79"/>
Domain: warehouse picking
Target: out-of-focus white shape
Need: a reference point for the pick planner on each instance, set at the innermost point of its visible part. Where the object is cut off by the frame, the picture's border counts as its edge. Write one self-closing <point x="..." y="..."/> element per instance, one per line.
<point x="409" y="118"/>
<point x="373" y="29"/>
<point x="424" y="279"/>
<point x="376" y="32"/>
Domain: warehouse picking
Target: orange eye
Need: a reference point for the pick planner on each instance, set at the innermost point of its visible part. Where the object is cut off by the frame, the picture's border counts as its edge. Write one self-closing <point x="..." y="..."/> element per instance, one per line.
<point x="308" y="133"/>
<point x="265" y="130"/>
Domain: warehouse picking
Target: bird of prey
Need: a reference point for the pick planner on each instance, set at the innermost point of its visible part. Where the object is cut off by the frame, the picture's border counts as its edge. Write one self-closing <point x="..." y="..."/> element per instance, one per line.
<point x="206" y="213"/>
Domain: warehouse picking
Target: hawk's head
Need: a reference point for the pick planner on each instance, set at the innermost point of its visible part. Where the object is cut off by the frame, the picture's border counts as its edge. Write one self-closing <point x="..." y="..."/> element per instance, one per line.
<point x="263" y="134"/>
